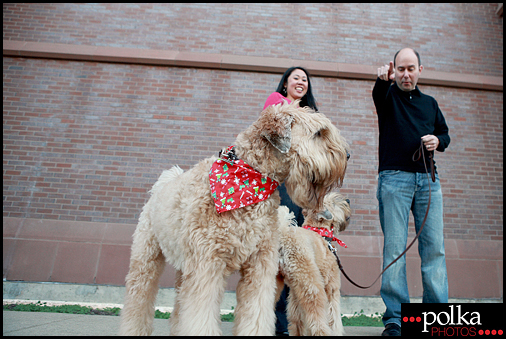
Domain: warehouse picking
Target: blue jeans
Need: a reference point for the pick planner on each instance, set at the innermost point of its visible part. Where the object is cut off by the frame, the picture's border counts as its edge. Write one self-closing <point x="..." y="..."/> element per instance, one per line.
<point x="398" y="193"/>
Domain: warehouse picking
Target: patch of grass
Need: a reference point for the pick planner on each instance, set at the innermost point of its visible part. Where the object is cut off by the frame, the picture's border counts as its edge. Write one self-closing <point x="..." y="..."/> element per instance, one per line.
<point x="162" y="315"/>
<point x="77" y="309"/>
<point x="73" y="309"/>
<point x="227" y="317"/>
<point x="358" y="319"/>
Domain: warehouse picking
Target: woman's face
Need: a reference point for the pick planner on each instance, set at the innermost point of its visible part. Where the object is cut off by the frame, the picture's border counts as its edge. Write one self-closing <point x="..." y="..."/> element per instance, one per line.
<point x="296" y="85"/>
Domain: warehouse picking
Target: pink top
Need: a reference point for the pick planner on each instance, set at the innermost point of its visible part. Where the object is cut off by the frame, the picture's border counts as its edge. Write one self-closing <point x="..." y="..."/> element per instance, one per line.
<point x="275" y="98"/>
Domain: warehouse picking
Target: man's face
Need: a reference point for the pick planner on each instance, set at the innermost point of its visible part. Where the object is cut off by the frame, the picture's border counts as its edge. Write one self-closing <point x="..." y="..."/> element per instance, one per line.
<point x="407" y="70"/>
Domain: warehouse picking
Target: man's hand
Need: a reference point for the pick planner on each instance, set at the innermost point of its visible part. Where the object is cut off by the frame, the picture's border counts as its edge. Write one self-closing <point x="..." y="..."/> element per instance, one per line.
<point x="387" y="72"/>
<point x="430" y="142"/>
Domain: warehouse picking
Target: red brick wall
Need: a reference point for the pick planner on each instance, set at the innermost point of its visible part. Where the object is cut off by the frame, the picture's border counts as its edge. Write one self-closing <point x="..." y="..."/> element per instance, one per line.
<point x="462" y="38"/>
<point x="84" y="141"/>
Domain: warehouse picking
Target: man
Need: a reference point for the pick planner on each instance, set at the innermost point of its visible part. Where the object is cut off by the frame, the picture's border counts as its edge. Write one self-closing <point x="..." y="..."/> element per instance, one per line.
<point x="407" y="118"/>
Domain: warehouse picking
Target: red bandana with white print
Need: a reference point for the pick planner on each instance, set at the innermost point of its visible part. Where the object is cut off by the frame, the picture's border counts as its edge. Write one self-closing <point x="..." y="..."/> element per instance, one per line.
<point x="235" y="184"/>
<point x="325" y="233"/>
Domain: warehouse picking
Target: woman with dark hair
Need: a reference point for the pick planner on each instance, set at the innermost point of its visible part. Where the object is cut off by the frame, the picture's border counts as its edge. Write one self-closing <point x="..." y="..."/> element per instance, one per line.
<point x="294" y="84"/>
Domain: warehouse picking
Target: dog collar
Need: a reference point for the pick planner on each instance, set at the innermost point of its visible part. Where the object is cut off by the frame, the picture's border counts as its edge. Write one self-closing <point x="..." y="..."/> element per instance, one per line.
<point x="235" y="184"/>
<point x="326" y="233"/>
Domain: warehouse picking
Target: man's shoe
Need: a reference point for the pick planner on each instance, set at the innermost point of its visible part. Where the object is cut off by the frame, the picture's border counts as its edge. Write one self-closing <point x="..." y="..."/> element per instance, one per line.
<point x="392" y="330"/>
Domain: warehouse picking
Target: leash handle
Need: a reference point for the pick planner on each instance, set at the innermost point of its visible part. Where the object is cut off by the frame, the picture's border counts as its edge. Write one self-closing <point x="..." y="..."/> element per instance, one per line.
<point x="421" y="154"/>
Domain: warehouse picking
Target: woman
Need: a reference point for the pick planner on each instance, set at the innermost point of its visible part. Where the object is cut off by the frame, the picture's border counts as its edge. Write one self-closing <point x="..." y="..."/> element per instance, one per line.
<point x="294" y="84"/>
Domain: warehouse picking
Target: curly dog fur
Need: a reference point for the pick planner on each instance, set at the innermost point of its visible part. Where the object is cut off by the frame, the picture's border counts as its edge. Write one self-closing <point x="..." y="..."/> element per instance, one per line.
<point x="179" y="224"/>
<point x="310" y="269"/>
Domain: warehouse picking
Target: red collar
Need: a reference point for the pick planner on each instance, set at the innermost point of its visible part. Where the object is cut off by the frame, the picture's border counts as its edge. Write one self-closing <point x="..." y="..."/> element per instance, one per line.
<point x="325" y="233"/>
<point x="235" y="184"/>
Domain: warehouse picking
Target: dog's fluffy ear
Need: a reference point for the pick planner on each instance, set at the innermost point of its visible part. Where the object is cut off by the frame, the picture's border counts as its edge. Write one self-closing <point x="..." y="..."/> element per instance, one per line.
<point x="277" y="127"/>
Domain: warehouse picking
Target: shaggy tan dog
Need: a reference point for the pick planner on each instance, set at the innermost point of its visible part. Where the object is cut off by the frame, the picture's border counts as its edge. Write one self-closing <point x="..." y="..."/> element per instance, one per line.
<point x="180" y="224"/>
<point x="310" y="269"/>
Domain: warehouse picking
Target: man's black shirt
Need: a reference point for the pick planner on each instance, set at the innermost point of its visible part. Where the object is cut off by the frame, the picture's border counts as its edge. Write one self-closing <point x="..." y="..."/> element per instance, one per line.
<point x="403" y="118"/>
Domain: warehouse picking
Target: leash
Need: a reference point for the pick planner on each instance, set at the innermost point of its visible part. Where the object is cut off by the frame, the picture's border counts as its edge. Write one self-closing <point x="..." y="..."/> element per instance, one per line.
<point x="418" y="153"/>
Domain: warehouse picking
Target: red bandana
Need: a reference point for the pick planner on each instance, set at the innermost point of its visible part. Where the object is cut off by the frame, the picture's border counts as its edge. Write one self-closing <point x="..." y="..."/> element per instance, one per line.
<point x="325" y="233"/>
<point x="235" y="184"/>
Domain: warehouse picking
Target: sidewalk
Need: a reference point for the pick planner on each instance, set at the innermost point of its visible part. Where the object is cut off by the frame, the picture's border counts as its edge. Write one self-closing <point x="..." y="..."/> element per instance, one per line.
<point x="113" y="296"/>
<point x="37" y="324"/>
<point x="102" y="296"/>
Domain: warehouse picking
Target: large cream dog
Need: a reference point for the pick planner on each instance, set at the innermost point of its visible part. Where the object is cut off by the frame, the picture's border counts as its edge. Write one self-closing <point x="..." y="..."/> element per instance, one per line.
<point x="180" y="224"/>
<point x="310" y="269"/>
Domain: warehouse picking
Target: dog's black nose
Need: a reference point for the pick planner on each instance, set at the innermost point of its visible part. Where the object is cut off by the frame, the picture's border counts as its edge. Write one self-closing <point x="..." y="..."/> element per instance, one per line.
<point x="348" y="201"/>
<point x="348" y="155"/>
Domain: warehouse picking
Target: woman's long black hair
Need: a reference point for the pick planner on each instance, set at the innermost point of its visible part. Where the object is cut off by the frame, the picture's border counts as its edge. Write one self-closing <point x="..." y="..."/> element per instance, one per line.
<point x="308" y="98"/>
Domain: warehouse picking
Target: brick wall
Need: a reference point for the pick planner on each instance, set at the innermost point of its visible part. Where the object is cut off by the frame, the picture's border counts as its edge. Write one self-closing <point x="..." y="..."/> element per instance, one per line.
<point x="84" y="141"/>
<point x="462" y="38"/>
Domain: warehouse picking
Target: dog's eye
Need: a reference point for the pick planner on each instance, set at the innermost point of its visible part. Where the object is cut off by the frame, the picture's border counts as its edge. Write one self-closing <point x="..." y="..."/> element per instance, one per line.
<point x="318" y="134"/>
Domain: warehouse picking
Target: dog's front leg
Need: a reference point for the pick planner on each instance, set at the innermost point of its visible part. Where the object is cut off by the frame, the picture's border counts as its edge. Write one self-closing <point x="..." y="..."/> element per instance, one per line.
<point x="174" y="316"/>
<point x="146" y="266"/>
<point x="254" y="314"/>
<point x="198" y="300"/>
<point x="334" y="296"/>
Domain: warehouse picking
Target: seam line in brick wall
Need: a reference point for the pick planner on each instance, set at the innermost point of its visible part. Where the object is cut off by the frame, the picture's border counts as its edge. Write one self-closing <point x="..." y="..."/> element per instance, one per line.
<point x="232" y="62"/>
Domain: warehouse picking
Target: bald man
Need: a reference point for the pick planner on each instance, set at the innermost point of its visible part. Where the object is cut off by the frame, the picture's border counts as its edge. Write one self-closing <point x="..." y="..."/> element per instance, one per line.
<point x="408" y="118"/>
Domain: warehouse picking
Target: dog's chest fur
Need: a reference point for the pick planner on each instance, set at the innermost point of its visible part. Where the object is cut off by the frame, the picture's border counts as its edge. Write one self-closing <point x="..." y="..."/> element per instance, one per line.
<point x="232" y="236"/>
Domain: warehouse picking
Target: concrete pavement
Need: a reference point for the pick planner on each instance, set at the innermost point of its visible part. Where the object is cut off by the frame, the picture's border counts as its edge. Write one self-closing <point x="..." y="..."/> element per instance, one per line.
<point x="39" y="323"/>
<point x="102" y="296"/>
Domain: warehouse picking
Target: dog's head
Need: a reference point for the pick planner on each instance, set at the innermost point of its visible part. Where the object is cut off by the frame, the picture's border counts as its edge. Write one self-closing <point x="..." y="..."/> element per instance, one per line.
<point x="319" y="155"/>
<point x="336" y="214"/>
<point x="316" y="153"/>
<point x="299" y="147"/>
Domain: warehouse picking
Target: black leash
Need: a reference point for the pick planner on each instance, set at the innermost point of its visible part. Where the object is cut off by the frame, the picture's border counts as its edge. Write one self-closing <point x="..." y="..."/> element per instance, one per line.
<point x="419" y="153"/>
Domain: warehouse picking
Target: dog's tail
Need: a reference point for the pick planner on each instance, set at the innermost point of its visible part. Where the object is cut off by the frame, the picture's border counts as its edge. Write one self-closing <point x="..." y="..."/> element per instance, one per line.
<point x="165" y="177"/>
<point x="285" y="217"/>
